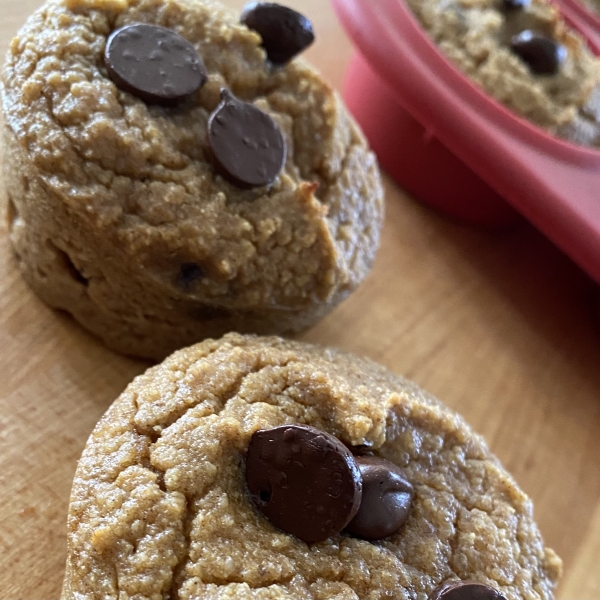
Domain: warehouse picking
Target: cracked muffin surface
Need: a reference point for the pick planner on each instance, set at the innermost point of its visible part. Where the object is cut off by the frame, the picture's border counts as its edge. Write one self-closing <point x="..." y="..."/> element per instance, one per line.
<point x="116" y="212"/>
<point x="160" y="510"/>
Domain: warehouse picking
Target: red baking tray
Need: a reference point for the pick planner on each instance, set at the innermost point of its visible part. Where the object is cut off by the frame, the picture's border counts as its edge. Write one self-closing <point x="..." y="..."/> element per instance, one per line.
<point x="455" y="147"/>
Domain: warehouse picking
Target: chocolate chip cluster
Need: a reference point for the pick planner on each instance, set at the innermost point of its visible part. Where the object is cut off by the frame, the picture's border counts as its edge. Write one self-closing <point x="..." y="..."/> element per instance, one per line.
<point x="159" y="66"/>
<point x="309" y="484"/>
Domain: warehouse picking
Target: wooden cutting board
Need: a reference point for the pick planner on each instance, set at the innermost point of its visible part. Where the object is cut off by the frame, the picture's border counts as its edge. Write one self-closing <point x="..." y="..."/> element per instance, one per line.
<point x="497" y="324"/>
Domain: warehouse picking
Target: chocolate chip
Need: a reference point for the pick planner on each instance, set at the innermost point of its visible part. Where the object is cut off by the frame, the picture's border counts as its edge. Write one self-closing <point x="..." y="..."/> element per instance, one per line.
<point x="515" y="4"/>
<point x="284" y="32"/>
<point x="189" y="274"/>
<point x="465" y="590"/>
<point x="154" y="63"/>
<point x="305" y="481"/>
<point x="543" y="54"/>
<point x="386" y="499"/>
<point x="247" y="144"/>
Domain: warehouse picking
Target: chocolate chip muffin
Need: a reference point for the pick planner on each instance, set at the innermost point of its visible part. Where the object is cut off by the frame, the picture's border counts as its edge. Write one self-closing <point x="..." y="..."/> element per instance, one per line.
<point x="238" y="469"/>
<point x="524" y="54"/>
<point x="173" y="173"/>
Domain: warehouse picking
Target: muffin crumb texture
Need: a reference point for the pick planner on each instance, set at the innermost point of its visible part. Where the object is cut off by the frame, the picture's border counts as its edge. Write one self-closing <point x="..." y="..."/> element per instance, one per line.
<point x="159" y="507"/>
<point x="118" y="215"/>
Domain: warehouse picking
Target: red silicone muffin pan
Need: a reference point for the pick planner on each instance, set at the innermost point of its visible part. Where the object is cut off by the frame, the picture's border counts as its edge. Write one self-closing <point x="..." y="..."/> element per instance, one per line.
<point x="455" y="147"/>
<point x="582" y="19"/>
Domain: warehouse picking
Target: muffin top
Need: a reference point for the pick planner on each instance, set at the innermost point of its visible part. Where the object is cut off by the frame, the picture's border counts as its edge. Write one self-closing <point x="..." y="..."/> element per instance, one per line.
<point x="140" y="176"/>
<point x="482" y="36"/>
<point x="160" y="507"/>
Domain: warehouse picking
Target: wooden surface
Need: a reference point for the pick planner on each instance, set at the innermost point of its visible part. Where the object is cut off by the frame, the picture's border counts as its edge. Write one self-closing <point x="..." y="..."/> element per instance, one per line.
<point x="497" y="324"/>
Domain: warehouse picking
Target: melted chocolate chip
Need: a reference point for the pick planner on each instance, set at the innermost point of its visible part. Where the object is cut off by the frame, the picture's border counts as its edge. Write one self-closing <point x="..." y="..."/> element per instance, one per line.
<point x="154" y="63"/>
<point x="248" y="146"/>
<point x="465" y="590"/>
<point x="543" y="54"/>
<point x="189" y="274"/>
<point x="284" y="32"/>
<point x="515" y="4"/>
<point x="386" y="499"/>
<point x="305" y="481"/>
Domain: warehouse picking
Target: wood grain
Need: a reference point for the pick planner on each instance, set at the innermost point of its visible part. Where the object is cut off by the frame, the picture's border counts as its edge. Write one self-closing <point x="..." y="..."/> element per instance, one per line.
<point x="498" y="324"/>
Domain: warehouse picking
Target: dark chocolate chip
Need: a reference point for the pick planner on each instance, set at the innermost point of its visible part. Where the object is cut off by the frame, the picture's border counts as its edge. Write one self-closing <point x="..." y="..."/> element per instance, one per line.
<point x="154" y="63"/>
<point x="189" y="274"/>
<point x="386" y="499"/>
<point x="247" y="144"/>
<point x="465" y="590"/>
<point x="543" y="54"/>
<point x="305" y="481"/>
<point x="284" y="32"/>
<point x="515" y="4"/>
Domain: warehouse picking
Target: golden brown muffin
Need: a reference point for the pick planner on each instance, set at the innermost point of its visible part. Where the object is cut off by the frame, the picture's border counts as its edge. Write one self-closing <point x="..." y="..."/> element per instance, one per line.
<point x="117" y="214"/>
<point x="159" y="506"/>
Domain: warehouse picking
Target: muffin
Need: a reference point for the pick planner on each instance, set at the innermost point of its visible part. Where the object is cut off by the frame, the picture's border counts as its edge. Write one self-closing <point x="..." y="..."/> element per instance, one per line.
<point x="523" y="54"/>
<point x="130" y="208"/>
<point x="186" y="488"/>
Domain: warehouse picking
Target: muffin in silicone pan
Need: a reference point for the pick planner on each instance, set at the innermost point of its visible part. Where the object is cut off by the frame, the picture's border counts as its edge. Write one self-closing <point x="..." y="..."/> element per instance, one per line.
<point x="452" y="145"/>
